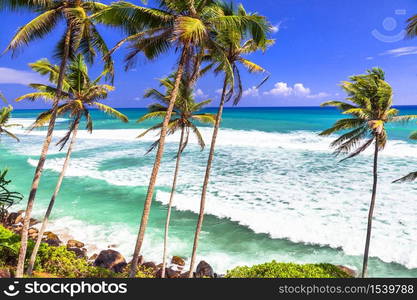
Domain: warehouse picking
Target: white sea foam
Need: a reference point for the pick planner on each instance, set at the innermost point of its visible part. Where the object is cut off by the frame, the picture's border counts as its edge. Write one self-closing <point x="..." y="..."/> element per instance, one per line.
<point x="286" y="185"/>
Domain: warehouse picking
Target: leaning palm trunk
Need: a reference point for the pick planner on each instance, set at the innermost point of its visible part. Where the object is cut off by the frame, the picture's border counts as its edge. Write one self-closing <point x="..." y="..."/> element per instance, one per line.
<point x="207" y="178"/>
<point x="42" y="159"/>
<point x="171" y="199"/>
<point x="371" y="210"/>
<point x="157" y="164"/>
<point x="52" y="202"/>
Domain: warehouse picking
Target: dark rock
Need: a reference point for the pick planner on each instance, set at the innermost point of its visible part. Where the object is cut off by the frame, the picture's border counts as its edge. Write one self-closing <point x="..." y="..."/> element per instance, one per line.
<point x="176" y="260"/>
<point x="33" y="222"/>
<point x="4" y="273"/>
<point x="169" y="273"/>
<point x="204" y="270"/>
<point x="185" y="275"/>
<point x="80" y="253"/>
<point x="14" y="218"/>
<point x="51" y="239"/>
<point x="348" y="271"/>
<point x="112" y="260"/>
<point x="75" y="244"/>
<point x="149" y="265"/>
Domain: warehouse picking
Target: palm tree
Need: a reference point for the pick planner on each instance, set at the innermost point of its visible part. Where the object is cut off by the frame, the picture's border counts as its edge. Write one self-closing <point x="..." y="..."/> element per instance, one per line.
<point x="5" y="114"/>
<point x="188" y="26"/>
<point x="184" y="116"/>
<point x="80" y="35"/>
<point x="228" y="58"/>
<point x="79" y="93"/>
<point x="369" y="104"/>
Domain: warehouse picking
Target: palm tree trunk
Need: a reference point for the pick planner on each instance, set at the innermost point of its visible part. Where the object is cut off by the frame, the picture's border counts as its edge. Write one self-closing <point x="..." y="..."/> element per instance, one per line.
<point x="207" y="178"/>
<point x="171" y="199"/>
<point x="157" y="164"/>
<point x="42" y="158"/>
<point x="52" y="202"/>
<point x="371" y="210"/>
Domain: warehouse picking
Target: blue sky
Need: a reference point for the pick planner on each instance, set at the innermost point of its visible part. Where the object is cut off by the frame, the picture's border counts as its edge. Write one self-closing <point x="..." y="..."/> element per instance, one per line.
<point x="318" y="44"/>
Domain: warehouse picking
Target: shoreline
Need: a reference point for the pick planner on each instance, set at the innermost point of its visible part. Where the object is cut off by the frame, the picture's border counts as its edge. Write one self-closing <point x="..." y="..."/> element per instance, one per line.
<point x="114" y="261"/>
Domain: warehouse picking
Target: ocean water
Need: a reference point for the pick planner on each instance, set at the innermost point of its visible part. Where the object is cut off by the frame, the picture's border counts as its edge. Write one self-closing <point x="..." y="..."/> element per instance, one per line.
<point x="276" y="192"/>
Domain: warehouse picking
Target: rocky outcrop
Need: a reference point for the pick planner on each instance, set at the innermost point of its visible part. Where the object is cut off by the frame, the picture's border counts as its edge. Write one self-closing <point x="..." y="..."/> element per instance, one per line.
<point x="75" y="244"/>
<point x="169" y="273"/>
<point x="51" y="239"/>
<point x="176" y="260"/>
<point x="112" y="260"/>
<point x="204" y="270"/>
<point x="79" y="252"/>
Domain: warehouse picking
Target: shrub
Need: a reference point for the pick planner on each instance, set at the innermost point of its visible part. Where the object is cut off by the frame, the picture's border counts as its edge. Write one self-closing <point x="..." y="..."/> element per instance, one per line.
<point x="287" y="270"/>
<point x="56" y="261"/>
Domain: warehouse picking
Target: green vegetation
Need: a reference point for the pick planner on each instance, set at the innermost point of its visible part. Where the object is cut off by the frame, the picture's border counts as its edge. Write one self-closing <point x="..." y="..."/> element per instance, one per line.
<point x="7" y="198"/>
<point x="369" y="103"/>
<point x="55" y="261"/>
<point x="287" y="270"/>
<point x="184" y="117"/>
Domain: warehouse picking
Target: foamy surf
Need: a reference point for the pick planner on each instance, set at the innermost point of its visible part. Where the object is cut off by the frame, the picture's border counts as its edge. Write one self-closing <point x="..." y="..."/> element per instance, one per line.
<point x="306" y="196"/>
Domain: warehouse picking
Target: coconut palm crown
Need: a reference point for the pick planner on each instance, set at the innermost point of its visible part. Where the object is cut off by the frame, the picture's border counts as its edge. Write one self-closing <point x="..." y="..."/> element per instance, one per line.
<point x="184" y="116"/>
<point x="370" y="108"/>
<point x="80" y="93"/>
<point x="83" y="35"/>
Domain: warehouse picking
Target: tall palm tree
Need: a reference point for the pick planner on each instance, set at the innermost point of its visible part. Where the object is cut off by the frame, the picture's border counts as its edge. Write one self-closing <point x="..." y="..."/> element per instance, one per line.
<point x="184" y="116"/>
<point x="79" y="93"/>
<point x="5" y="114"/>
<point x="369" y="103"/>
<point x="188" y="26"/>
<point x="80" y="35"/>
<point x="228" y="58"/>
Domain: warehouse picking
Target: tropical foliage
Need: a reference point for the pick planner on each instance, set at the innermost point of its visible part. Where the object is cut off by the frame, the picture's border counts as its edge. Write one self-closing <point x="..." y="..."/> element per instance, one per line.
<point x="184" y="116"/>
<point x="7" y="197"/>
<point x="287" y="270"/>
<point x="369" y="103"/>
<point x="231" y="47"/>
<point x="80" y="93"/>
<point x="5" y="115"/>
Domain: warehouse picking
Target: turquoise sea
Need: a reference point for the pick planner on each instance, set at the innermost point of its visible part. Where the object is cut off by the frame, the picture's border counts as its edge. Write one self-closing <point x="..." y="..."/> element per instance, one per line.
<point x="277" y="192"/>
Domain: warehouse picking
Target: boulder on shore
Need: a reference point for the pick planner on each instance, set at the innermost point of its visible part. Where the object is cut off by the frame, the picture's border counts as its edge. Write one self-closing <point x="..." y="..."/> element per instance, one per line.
<point x="150" y="265"/>
<point x="112" y="260"/>
<point x="204" y="270"/>
<point x="176" y="260"/>
<point x="169" y="273"/>
<point x="79" y="253"/>
<point x="51" y="239"/>
<point x="75" y="244"/>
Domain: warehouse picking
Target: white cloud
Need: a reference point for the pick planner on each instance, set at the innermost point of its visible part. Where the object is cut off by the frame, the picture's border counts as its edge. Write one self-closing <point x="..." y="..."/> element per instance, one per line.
<point x="199" y="93"/>
<point x="370" y="58"/>
<point x="280" y="89"/>
<point x="403" y="51"/>
<point x="219" y="91"/>
<point x="13" y="76"/>
<point x="251" y="92"/>
<point x="298" y="90"/>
